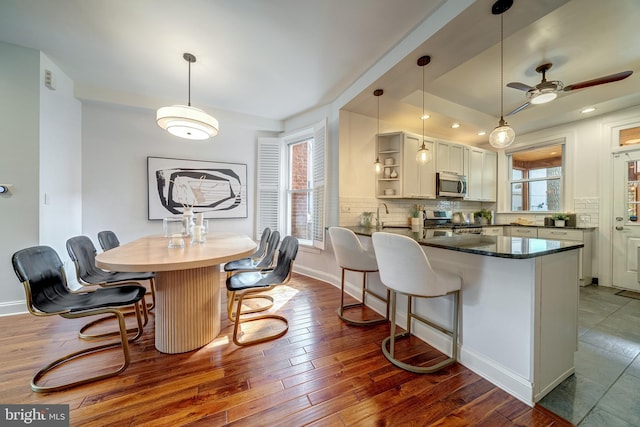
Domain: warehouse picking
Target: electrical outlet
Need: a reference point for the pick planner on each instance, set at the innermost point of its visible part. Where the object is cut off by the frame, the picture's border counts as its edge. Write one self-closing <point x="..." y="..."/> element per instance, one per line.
<point x="345" y="209"/>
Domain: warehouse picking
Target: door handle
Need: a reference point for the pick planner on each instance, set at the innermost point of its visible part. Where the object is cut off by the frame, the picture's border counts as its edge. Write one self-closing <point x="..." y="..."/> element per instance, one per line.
<point x="619" y="228"/>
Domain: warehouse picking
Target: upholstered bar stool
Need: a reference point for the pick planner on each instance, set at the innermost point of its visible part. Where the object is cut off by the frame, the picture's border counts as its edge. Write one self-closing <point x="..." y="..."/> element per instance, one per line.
<point x="405" y="269"/>
<point x="352" y="256"/>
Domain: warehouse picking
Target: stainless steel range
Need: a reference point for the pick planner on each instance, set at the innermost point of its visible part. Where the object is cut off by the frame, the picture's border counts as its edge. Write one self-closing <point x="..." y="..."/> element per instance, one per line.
<point x="440" y="220"/>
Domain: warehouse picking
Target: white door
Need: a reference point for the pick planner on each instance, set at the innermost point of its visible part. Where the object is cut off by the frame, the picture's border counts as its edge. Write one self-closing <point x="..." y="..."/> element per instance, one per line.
<point x="626" y="224"/>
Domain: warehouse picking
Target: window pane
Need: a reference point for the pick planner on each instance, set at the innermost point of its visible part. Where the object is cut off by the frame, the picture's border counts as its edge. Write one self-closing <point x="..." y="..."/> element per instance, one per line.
<point x="300" y="192"/>
<point x="517" y="174"/>
<point x="538" y="173"/>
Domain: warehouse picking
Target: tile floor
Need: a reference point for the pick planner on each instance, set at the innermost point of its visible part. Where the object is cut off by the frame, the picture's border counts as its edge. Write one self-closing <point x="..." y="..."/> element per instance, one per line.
<point x="606" y="386"/>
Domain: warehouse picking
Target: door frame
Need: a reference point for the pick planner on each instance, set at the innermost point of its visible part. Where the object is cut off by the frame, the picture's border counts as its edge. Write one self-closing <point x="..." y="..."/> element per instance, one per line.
<point x="610" y="137"/>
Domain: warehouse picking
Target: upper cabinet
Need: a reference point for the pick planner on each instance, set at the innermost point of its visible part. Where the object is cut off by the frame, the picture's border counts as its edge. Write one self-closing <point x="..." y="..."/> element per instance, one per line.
<point x="481" y="174"/>
<point x="450" y="158"/>
<point x="389" y="152"/>
<point x="419" y="181"/>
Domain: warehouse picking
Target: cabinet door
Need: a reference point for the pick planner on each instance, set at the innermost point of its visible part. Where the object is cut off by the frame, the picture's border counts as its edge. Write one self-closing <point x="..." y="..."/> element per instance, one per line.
<point x="450" y="158"/>
<point x="419" y="181"/>
<point x="410" y="170"/>
<point x="427" y="175"/>
<point x="489" y="176"/>
<point x="474" y="179"/>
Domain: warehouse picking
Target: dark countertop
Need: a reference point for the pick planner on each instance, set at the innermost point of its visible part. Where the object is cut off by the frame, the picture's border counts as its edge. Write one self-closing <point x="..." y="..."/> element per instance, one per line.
<point x="496" y="246"/>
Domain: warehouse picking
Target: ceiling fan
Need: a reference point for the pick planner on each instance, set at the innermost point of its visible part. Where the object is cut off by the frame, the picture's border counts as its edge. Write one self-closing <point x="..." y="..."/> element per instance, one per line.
<point x="547" y="90"/>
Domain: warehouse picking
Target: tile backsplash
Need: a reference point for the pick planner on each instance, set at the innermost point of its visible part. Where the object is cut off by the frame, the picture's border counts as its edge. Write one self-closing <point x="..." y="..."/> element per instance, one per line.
<point x="399" y="209"/>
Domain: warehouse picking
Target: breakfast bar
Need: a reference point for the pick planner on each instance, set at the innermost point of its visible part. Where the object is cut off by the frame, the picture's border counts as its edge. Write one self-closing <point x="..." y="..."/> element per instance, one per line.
<point x="519" y="306"/>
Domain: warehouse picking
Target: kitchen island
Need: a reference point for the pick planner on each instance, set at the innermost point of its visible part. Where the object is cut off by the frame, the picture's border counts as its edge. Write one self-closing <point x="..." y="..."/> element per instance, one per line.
<point x="519" y="306"/>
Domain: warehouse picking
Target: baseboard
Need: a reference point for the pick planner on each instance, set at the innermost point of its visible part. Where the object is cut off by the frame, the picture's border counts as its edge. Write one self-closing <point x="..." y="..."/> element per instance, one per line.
<point x="12" y="308"/>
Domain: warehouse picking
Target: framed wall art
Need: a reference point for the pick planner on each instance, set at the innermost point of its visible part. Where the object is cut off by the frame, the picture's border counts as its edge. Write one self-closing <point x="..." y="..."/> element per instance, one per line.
<point x="218" y="190"/>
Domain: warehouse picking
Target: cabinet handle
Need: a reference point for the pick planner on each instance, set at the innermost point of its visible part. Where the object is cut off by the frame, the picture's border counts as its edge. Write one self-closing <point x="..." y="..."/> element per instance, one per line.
<point x="560" y="233"/>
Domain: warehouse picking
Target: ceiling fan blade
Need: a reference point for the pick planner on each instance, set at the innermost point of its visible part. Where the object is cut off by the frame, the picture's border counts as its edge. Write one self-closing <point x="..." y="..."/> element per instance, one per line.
<point x="599" y="81"/>
<point x="518" y="109"/>
<point x="519" y="86"/>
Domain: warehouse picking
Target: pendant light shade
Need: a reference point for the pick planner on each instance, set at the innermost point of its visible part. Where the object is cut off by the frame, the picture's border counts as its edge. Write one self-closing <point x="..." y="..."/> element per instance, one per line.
<point x="503" y="135"/>
<point x="186" y="121"/>
<point x="377" y="164"/>
<point x="423" y="156"/>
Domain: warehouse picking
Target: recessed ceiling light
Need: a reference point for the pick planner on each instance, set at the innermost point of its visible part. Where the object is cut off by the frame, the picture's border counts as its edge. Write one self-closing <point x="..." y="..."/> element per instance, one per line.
<point x="425" y="117"/>
<point x="482" y="133"/>
<point x="455" y="125"/>
<point x="588" y="110"/>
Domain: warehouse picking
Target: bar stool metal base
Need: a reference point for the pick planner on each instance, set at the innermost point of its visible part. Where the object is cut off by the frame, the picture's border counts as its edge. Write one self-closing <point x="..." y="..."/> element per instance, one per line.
<point x="388" y="344"/>
<point x="365" y="291"/>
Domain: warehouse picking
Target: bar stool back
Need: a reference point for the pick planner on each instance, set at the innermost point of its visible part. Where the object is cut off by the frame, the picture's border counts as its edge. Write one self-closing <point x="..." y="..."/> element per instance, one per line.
<point x="405" y="268"/>
<point x="352" y="256"/>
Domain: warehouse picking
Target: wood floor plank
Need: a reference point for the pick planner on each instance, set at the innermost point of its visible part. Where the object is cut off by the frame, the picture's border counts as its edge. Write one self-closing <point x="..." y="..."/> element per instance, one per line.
<point x="323" y="372"/>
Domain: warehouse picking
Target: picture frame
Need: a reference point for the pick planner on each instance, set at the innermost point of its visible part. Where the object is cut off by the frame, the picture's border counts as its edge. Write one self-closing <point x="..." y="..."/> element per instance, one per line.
<point x="216" y="189"/>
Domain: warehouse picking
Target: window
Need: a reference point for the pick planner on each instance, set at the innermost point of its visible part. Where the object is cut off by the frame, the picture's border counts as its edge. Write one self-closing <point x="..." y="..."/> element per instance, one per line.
<point x="291" y="181"/>
<point x="535" y="179"/>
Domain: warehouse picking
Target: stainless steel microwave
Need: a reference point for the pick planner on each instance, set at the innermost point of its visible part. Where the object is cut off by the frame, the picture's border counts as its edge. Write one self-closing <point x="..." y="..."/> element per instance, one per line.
<point x="451" y="185"/>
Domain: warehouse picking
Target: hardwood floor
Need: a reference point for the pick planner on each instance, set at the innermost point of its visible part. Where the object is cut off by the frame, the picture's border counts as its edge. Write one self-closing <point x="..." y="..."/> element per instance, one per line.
<point x="321" y="373"/>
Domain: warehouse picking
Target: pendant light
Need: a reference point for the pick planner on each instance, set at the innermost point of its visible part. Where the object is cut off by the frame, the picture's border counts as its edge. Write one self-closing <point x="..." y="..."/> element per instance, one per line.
<point x="423" y="156"/>
<point x="186" y="121"/>
<point x="377" y="164"/>
<point x="503" y="135"/>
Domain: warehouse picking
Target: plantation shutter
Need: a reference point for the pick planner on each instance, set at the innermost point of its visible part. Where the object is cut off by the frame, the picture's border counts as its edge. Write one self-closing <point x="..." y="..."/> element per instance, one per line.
<point x="268" y="185"/>
<point x="319" y="174"/>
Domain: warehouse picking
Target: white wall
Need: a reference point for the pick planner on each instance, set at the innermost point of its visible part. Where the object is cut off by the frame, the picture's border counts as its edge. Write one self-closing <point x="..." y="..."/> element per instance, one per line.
<point x="40" y="152"/>
<point x="116" y="141"/>
<point x="60" y="184"/>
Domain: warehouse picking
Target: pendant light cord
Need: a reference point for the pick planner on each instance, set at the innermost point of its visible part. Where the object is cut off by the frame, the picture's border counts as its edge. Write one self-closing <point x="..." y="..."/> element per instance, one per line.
<point x="189" y="86"/>
<point x="502" y="67"/>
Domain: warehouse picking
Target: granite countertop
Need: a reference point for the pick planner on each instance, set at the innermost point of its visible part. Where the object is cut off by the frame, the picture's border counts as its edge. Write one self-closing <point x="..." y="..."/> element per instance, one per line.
<point x="496" y="246"/>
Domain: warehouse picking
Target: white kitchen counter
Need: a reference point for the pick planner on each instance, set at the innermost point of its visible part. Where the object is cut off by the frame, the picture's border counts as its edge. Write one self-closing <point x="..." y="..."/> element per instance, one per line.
<point x="519" y="311"/>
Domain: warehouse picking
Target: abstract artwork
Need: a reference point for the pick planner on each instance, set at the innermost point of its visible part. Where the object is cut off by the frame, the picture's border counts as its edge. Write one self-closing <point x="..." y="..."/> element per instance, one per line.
<point x="218" y="190"/>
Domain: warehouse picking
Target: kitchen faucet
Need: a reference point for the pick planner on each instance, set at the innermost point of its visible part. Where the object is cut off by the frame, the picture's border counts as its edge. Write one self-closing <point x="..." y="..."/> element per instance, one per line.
<point x="386" y="208"/>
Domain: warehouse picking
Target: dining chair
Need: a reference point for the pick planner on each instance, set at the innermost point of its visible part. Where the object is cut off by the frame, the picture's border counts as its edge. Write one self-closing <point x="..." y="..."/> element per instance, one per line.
<point x="246" y="283"/>
<point x="405" y="269"/>
<point x="262" y="247"/>
<point x="83" y="254"/>
<point x="253" y="264"/>
<point x="108" y="240"/>
<point x="351" y="255"/>
<point x="41" y="272"/>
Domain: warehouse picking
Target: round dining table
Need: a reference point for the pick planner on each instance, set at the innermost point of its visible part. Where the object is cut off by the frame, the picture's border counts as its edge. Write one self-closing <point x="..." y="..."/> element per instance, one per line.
<point x="187" y="282"/>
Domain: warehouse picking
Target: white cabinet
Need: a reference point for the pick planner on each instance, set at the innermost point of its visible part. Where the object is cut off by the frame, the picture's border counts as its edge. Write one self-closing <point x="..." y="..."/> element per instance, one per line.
<point x="450" y="158"/>
<point x="481" y="174"/>
<point x="492" y="231"/>
<point x="389" y="152"/>
<point x="419" y="181"/>
<point x="531" y="232"/>
<point x="585" y="236"/>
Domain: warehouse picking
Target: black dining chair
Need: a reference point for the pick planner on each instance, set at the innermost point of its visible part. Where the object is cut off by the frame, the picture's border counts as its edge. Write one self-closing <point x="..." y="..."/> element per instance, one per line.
<point x="83" y="254"/>
<point x="254" y="264"/>
<point x="244" y="284"/>
<point x="41" y="272"/>
<point x="108" y="240"/>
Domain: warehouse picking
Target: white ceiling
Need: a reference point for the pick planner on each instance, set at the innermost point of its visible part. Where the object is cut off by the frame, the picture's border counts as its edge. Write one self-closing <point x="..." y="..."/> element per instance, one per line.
<point x="278" y="58"/>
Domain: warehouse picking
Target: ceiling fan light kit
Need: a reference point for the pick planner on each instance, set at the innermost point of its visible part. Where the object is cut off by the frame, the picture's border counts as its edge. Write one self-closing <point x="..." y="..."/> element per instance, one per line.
<point x="186" y="121"/>
<point x="503" y="135"/>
